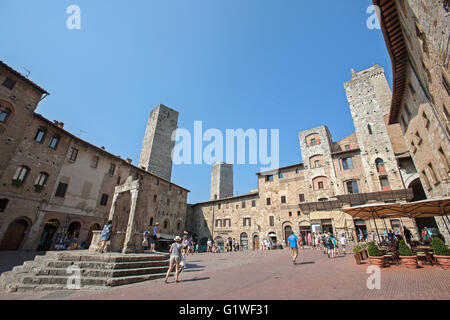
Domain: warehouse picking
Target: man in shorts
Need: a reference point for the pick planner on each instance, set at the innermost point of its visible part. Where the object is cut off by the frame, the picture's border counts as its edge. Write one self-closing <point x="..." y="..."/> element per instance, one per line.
<point x="293" y="247"/>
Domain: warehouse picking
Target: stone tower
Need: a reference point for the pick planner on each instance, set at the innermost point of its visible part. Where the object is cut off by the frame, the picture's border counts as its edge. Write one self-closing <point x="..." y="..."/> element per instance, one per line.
<point x="316" y="148"/>
<point x="156" y="153"/>
<point x="221" y="181"/>
<point x="369" y="98"/>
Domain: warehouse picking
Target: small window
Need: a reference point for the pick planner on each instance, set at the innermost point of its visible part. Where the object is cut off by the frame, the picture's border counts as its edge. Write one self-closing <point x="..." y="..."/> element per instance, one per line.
<point x="168" y="202"/>
<point x="3" y="204"/>
<point x="151" y="221"/>
<point x="9" y="83"/>
<point x="426" y="120"/>
<point x="347" y="163"/>
<point x="302" y="197"/>
<point x="54" y="142"/>
<point x="118" y="179"/>
<point x="61" y="190"/>
<point x="316" y="163"/>
<point x="41" y="179"/>
<point x="253" y="203"/>
<point x="298" y="213"/>
<point x="313" y="141"/>
<point x="297" y="171"/>
<point x="269" y="178"/>
<point x="280" y="175"/>
<point x="178" y="226"/>
<point x="290" y="214"/>
<point x="369" y="128"/>
<point x="21" y="174"/>
<point x="247" y="222"/>
<point x="352" y="187"/>
<point x="94" y="163"/>
<point x="104" y="200"/>
<point x="155" y="197"/>
<point x="347" y="147"/>
<point x="219" y="206"/>
<point x="157" y="182"/>
<point x="320" y="185"/>
<point x="4" y="114"/>
<point x="322" y="199"/>
<point x="283" y="199"/>
<point x="271" y="221"/>
<point x="166" y="224"/>
<point x="112" y="169"/>
<point x="268" y="201"/>
<point x="243" y="205"/>
<point x="73" y="154"/>
<point x="40" y="134"/>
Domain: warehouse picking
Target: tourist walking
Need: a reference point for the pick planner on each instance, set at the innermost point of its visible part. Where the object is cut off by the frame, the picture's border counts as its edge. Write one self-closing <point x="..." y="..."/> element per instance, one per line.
<point x="209" y="245"/>
<point x="293" y="247"/>
<point x="318" y="241"/>
<point x="335" y="249"/>
<point x="106" y="235"/>
<point x="309" y="240"/>
<point x="155" y="237"/>
<point x="175" y="258"/>
<point x="343" y="242"/>
<point x="183" y="257"/>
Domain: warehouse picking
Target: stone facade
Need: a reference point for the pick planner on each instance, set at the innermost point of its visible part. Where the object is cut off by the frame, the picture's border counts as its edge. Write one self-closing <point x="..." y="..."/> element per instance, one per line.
<point x="418" y="43"/>
<point x="156" y="153"/>
<point x="221" y="181"/>
<point x="55" y="186"/>
<point x="309" y="196"/>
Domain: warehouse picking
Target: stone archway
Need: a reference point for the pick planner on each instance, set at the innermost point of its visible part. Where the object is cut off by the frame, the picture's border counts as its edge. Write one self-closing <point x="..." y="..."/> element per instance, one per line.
<point x="14" y="235"/>
<point x="287" y="232"/>
<point x="48" y="235"/>
<point x="256" y="245"/>
<point x="244" y="241"/>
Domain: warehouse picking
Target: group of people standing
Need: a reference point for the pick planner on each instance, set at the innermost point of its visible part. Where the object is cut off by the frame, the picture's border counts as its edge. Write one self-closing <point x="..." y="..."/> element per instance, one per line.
<point x="327" y="241"/>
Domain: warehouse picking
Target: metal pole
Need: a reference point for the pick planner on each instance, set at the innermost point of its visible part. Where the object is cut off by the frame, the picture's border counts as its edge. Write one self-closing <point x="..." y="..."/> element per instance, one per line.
<point x="378" y="234"/>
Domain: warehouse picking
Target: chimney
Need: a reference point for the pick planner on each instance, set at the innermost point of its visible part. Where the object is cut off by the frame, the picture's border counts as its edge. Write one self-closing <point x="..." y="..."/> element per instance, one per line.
<point x="103" y="148"/>
<point x="59" y="124"/>
<point x="129" y="160"/>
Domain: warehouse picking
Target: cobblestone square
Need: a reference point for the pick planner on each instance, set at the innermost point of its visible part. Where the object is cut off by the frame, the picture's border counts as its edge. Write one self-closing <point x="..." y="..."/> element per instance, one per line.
<point x="270" y="275"/>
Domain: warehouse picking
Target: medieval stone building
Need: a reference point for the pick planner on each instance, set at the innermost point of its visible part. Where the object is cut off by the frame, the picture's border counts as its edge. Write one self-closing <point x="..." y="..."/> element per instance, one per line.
<point x="369" y="166"/>
<point x="416" y="34"/>
<point x="55" y="186"/>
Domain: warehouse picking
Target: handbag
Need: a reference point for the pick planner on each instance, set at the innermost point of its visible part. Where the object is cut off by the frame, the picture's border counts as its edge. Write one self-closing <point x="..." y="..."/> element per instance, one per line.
<point x="158" y="235"/>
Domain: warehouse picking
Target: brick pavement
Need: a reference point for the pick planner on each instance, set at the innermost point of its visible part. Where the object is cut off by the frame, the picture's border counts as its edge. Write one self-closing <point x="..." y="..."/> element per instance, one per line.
<point x="271" y="275"/>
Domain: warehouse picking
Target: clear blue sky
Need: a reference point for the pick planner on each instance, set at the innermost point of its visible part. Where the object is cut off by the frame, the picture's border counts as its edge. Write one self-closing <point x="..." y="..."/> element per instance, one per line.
<point x="230" y="63"/>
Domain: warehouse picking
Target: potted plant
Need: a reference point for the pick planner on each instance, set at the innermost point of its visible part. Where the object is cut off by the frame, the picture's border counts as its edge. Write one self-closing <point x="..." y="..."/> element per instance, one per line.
<point x="364" y="253"/>
<point x="407" y="256"/>
<point x="375" y="255"/>
<point x="17" y="182"/>
<point x="38" y="187"/>
<point x="441" y="253"/>
<point x="357" y="254"/>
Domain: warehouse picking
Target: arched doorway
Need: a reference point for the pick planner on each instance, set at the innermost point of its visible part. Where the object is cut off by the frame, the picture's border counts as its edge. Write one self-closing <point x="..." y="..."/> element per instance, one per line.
<point x="48" y="234"/>
<point x="203" y="245"/>
<point x="14" y="235"/>
<point x="220" y="243"/>
<point x="287" y="232"/>
<point x="256" y="242"/>
<point x="93" y="228"/>
<point x="74" y="230"/>
<point x="244" y="241"/>
<point x="419" y="194"/>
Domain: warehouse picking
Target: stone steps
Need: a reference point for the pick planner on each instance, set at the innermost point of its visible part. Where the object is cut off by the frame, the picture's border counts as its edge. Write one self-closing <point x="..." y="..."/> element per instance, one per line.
<point x="97" y="271"/>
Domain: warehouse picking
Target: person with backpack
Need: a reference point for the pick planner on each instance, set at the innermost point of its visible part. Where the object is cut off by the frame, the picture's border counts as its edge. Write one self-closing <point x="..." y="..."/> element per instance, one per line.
<point x="106" y="234"/>
<point x="335" y="250"/>
<point x="329" y="245"/>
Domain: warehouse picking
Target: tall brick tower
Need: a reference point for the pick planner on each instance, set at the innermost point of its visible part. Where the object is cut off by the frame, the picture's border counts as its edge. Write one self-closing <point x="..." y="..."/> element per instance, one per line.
<point x="221" y="181"/>
<point x="156" y="152"/>
<point x="369" y="98"/>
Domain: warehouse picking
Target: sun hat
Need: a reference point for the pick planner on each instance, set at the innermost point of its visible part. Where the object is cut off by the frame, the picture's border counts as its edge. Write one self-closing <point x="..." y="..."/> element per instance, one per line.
<point x="177" y="239"/>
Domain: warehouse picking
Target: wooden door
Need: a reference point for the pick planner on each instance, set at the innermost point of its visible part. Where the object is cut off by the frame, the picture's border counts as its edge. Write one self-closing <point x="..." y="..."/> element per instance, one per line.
<point x="14" y="235"/>
<point x="256" y="243"/>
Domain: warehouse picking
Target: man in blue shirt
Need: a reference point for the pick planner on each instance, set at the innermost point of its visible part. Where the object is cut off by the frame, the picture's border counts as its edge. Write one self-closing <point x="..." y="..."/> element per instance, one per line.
<point x="292" y="239"/>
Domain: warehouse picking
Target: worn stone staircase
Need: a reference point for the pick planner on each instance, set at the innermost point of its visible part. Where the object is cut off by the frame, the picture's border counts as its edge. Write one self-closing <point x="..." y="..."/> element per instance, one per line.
<point x="55" y="270"/>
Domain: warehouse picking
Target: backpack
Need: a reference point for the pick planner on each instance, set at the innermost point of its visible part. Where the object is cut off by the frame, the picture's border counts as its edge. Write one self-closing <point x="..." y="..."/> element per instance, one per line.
<point x="327" y="240"/>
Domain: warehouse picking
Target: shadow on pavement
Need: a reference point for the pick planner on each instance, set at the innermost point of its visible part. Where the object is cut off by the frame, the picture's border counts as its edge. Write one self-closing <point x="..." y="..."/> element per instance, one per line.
<point x="195" y="279"/>
<point x="308" y="262"/>
<point x="194" y="266"/>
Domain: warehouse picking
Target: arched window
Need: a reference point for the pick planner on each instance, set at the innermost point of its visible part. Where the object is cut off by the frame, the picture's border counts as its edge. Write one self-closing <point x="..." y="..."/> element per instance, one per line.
<point x="369" y="128"/>
<point x="41" y="179"/>
<point x="320" y="183"/>
<point x="379" y="163"/>
<point x="352" y="187"/>
<point x="178" y="225"/>
<point x="151" y="221"/>
<point x="166" y="224"/>
<point x="4" y="114"/>
<point x="21" y="174"/>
